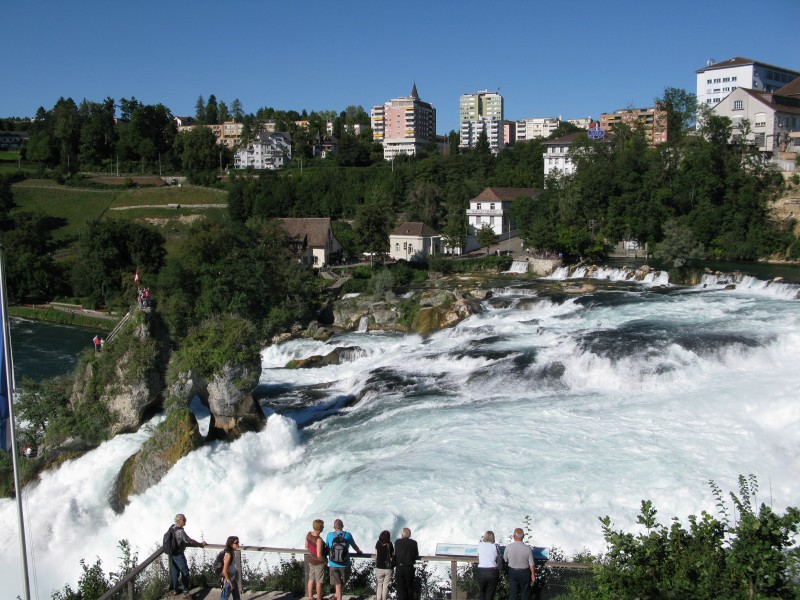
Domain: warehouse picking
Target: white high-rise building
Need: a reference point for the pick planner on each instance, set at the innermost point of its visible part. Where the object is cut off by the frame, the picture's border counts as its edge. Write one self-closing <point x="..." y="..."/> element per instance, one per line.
<point x="717" y="80"/>
<point x="481" y="112"/>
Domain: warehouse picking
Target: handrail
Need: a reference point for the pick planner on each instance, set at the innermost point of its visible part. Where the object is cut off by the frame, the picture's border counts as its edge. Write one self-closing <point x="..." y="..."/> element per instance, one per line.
<point x="127" y="580"/>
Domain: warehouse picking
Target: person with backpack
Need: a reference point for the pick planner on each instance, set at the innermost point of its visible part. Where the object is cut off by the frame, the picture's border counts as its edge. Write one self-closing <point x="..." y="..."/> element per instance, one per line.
<point x="384" y="564"/>
<point x="490" y="563"/>
<point x="339" y="541"/>
<point x="230" y="570"/>
<point x="175" y="543"/>
<point x="316" y="558"/>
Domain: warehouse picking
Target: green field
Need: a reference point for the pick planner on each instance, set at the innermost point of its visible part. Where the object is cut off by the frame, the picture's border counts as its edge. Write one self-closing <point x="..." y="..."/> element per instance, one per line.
<point x="10" y="163"/>
<point x="74" y="207"/>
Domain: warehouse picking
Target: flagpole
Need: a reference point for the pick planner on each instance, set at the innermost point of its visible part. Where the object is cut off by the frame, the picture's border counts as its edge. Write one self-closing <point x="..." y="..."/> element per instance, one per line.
<point x="8" y="369"/>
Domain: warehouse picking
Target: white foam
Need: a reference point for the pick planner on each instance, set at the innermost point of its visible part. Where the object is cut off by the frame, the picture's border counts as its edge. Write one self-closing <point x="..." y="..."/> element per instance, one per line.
<point x="464" y="431"/>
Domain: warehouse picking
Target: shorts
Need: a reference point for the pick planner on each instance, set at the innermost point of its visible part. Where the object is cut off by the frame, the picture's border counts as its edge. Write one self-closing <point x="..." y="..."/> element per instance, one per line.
<point x="340" y="575"/>
<point x="316" y="572"/>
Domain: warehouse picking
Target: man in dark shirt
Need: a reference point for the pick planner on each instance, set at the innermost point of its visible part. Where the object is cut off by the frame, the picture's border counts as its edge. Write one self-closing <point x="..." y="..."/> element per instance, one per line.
<point x="177" y="560"/>
<point x="406" y="553"/>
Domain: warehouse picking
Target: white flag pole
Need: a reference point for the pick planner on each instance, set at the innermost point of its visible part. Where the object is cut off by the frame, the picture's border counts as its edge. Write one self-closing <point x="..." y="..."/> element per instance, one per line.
<point x="9" y="388"/>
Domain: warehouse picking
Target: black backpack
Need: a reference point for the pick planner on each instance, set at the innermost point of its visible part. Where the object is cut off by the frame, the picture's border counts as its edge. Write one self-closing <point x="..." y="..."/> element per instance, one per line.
<point x="169" y="543"/>
<point x="338" y="551"/>
<point x="219" y="562"/>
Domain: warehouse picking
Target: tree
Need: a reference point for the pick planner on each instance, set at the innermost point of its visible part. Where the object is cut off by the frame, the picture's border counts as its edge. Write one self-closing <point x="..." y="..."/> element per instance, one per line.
<point x="681" y="107"/>
<point x="486" y="236"/>
<point x="211" y="113"/>
<point x="200" y="109"/>
<point x="223" y="114"/>
<point x="200" y="151"/>
<point x="236" y="109"/>
<point x="482" y="144"/>
<point x="372" y="226"/>
<point x="679" y="247"/>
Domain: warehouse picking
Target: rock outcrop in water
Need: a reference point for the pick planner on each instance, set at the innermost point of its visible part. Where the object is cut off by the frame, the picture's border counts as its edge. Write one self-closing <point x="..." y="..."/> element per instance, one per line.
<point x="422" y="312"/>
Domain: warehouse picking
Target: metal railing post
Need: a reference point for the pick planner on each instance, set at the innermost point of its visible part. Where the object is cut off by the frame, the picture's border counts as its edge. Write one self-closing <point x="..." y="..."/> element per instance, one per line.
<point x="454" y="580"/>
<point x="130" y="589"/>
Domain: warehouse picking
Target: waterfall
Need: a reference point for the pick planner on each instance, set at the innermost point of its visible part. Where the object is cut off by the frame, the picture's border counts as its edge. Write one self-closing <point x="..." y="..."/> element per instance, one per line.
<point x="363" y="322"/>
<point x="518" y="266"/>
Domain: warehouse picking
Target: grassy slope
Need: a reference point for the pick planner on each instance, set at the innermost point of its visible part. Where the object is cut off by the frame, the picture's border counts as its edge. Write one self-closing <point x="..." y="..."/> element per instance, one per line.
<point x="75" y="206"/>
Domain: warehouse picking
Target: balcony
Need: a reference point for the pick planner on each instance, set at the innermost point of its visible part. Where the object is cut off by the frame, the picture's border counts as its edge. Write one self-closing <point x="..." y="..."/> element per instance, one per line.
<point x="474" y="212"/>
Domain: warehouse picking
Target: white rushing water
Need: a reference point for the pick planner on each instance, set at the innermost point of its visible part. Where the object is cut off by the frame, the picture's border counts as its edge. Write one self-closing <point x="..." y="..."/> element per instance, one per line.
<point x="561" y="407"/>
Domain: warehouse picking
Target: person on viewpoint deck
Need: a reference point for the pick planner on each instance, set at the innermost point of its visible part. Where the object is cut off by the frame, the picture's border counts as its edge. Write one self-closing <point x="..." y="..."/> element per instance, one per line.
<point x="230" y="570"/>
<point x="406" y="553"/>
<point x="316" y="562"/>
<point x="340" y="565"/>
<point x="384" y="550"/>
<point x="521" y="572"/>
<point x="177" y="561"/>
<point x="488" y="573"/>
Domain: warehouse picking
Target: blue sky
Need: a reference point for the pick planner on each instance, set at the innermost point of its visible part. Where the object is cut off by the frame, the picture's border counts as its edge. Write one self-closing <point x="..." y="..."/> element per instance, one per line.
<point x="572" y="58"/>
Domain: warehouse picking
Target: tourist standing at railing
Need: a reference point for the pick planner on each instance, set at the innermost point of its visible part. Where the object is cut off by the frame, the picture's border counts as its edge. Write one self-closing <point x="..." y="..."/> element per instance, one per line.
<point x="521" y="571"/>
<point x="406" y="554"/>
<point x="488" y="571"/>
<point x="177" y="558"/>
<point x="316" y="558"/>
<point x="230" y="570"/>
<point x="384" y="559"/>
<point x="339" y="541"/>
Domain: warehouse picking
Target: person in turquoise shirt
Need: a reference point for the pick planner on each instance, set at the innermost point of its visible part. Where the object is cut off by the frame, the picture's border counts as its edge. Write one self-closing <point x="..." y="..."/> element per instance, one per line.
<point x="339" y="543"/>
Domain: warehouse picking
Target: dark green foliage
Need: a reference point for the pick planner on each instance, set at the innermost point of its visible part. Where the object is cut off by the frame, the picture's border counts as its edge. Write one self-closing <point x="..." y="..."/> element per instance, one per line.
<point x="215" y="343"/>
<point x="752" y="556"/>
<point x="486" y="237"/>
<point x="110" y="253"/>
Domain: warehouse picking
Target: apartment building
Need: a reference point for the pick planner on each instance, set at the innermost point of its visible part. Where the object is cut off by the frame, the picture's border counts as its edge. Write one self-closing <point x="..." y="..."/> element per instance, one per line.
<point x="772" y="118"/>
<point x="651" y="121"/>
<point x="717" y="80"/>
<point x="536" y="127"/>
<point x="404" y="125"/>
<point x="266" y="151"/>
<point x="583" y="123"/>
<point x="228" y="134"/>
<point x="478" y="113"/>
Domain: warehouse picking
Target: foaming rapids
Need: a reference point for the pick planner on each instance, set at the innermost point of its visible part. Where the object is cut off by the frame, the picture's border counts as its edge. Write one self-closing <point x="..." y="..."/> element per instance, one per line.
<point x="561" y="406"/>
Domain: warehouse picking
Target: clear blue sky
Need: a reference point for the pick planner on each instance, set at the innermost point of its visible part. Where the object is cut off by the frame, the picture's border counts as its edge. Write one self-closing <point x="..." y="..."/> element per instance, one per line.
<point x="572" y="58"/>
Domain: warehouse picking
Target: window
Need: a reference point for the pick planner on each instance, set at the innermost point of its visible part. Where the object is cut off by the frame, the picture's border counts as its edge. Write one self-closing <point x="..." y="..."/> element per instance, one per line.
<point x="738" y="105"/>
<point x="397" y="247"/>
<point x="718" y="80"/>
<point x="733" y="78"/>
<point x="759" y="139"/>
<point x="708" y="81"/>
<point x="491" y="206"/>
<point x="479" y="205"/>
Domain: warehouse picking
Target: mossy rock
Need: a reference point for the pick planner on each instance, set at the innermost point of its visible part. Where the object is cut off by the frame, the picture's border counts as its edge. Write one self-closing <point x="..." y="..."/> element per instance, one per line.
<point x="174" y="438"/>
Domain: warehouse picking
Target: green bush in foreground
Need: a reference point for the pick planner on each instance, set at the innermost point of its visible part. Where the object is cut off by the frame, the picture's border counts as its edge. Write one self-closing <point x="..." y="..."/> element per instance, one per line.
<point x="750" y="554"/>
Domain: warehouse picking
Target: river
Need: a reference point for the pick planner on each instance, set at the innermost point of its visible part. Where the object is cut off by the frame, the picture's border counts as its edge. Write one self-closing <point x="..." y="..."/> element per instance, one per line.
<point x="559" y="406"/>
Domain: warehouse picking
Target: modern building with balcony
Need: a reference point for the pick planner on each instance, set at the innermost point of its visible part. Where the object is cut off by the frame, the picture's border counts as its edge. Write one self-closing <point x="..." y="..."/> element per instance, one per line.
<point x="717" y="80"/>
<point x="266" y="151"/>
<point x="404" y="125"/>
<point x="650" y="121"/>
<point x="478" y="113"/>
<point x="536" y="127"/>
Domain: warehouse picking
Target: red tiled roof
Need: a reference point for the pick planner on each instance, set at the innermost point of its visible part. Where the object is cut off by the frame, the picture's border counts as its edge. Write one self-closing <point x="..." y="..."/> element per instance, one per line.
<point x="500" y="194"/>
<point x="790" y="89"/>
<point x="314" y="231"/>
<point x="414" y="228"/>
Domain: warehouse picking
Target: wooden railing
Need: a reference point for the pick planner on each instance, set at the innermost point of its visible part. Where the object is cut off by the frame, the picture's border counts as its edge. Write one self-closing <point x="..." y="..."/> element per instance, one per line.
<point x="457" y="592"/>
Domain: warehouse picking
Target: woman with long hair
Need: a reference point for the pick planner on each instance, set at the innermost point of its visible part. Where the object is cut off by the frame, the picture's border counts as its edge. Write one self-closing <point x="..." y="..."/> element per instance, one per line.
<point x="384" y="562"/>
<point x="230" y="570"/>
<point x="488" y="573"/>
